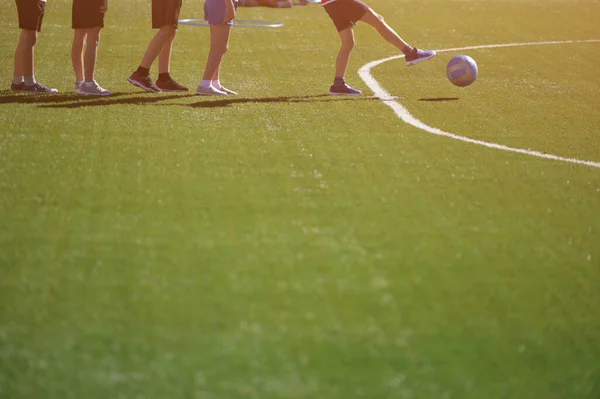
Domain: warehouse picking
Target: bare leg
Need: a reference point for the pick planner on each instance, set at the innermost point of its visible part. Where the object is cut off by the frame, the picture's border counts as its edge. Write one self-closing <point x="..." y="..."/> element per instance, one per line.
<point x="156" y="45"/>
<point x="164" y="57"/>
<point x="91" y="53"/>
<point x="343" y="58"/>
<point x="377" y="21"/>
<point x="24" y="55"/>
<point x="77" y="53"/>
<point x="219" y="42"/>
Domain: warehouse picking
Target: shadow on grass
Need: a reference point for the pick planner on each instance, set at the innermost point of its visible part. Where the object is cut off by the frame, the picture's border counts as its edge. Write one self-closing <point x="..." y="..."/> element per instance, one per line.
<point x="225" y="102"/>
<point x="439" y="99"/>
<point x="73" y="100"/>
<point x="147" y="98"/>
<point x="9" y="97"/>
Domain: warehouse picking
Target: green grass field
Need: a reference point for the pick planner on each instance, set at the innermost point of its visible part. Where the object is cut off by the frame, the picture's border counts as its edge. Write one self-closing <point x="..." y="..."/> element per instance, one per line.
<point x="288" y="244"/>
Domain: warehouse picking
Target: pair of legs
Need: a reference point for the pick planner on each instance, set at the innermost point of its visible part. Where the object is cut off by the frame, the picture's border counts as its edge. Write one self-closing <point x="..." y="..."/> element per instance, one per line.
<point x="160" y="46"/>
<point x="347" y="37"/>
<point x="219" y="44"/>
<point x="85" y="65"/>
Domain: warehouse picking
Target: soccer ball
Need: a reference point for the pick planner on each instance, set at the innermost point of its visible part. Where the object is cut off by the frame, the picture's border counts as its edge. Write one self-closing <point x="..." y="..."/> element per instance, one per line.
<point x="462" y="70"/>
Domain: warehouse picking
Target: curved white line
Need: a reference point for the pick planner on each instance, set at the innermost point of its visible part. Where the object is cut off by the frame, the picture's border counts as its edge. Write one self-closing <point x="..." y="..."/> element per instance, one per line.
<point x="402" y="112"/>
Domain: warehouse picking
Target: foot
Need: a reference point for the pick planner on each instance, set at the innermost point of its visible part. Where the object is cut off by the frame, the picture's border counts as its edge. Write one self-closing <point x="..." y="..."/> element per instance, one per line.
<point x="143" y="82"/>
<point x="77" y="87"/>
<point x="93" y="90"/>
<point x="37" y="88"/>
<point x="416" y="56"/>
<point x="17" y="87"/>
<point x="229" y="92"/>
<point x="343" y="90"/>
<point x="170" y="85"/>
<point x="210" y="91"/>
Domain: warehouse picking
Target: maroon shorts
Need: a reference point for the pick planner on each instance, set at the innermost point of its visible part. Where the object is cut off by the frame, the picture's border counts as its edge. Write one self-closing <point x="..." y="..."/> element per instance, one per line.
<point x="87" y="14"/>
<point x="345" y="13"/>
<point x="31" y="14"/>
<point x="165" y="12"/>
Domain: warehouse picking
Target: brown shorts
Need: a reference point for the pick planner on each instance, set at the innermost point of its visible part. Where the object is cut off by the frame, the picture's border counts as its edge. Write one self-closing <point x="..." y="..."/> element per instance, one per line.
<point x="31" y="14"/>
<point x="165" y="12"/>
<point x="87" y="14"/>
<point x="346" y="13"/>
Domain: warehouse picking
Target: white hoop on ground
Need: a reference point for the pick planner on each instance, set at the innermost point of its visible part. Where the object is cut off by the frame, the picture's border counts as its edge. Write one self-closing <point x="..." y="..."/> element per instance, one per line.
<point x="237" y="23"/>
<point x="406" y="116"/>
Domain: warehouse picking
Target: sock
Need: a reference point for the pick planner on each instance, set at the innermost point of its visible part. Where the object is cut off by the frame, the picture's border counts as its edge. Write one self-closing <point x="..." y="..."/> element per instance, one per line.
<point x="143" y="71"/>
<point x="164" y="77"/>
<point x="29" y="80"/>
<point x="205" y="83"/>
<point x="338" y="81"/>
<point x="78" y="82"/>
<point x="217" y="84"/>
<point x="18" y="80"/>
<point x="89" y="84"/>
<point x="407" y="50"/>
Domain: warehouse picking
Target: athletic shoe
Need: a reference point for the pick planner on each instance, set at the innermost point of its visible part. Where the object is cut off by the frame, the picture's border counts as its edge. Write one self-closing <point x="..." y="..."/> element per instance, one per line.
<point x="143" y="82"/>
<point x="170" y="85"/>
<point x="77" y="87"/>
<point x="343" y="90"/>
<point x="17" y="87"/>
<point x="93" y="90"/>
<point x="229" y="92"/>
<point x="38" y="88"/>
<point x="210" y="91"/>
<point x="416" y="56"/>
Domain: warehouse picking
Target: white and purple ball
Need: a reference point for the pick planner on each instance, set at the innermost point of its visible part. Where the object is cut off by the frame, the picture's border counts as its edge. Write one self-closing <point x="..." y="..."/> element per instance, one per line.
<point x="462" y="70"/>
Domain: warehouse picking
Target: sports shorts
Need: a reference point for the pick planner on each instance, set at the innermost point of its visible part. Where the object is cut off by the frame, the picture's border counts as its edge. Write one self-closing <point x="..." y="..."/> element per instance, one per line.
<point x="165" y="12"/>
<point x="346" y="13"/>
<point x="214" y="11"/>
<point x="31" y="14"/>
<point x="87" y="14"/>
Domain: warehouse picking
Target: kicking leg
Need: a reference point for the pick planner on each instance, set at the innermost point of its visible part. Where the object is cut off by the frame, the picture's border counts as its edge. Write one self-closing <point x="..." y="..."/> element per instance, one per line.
<point x="413" y="55"/>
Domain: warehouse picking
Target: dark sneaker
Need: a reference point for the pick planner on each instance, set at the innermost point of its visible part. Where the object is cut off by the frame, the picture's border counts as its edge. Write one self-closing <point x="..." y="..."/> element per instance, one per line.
<point x="416" y="56"/>
<point x="170" y="85"/>
<point x="38" y="88"/>
<point x="343" y="90"/>
<point x="19" y="87"/>
<point x="143" y="82"/>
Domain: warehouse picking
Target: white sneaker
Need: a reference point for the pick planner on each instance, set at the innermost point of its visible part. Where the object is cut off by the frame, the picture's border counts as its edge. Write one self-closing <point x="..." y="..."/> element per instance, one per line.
<point x="93" y="90"/>
<point x="230" y="92"/>
<point x="210" y="91"/>
<point x="77" y="88"/>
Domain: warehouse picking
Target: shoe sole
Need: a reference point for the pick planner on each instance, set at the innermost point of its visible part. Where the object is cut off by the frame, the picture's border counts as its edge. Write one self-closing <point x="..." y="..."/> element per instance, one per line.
<point x="211" y="94"/>
<point x="141" y="86"/>
<point x="174" y="90"/>
<point x="344" y="94"/>
<point x="94" y="94"/>
<point x="419" y="60"/>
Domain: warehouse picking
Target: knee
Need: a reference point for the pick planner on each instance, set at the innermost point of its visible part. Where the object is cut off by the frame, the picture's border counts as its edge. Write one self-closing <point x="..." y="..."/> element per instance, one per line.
<point x="29" y="38"/>
<point x="378" y="18"/>
<point x="348" y="44"/>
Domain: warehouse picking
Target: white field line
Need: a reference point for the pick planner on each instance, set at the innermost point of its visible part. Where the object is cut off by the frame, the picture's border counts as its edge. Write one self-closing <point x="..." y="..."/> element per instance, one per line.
<point x="402" y="112"/>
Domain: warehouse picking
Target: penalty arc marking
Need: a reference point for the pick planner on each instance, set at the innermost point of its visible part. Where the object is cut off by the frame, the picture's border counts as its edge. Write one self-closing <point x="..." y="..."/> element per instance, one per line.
<point x="406" y="116"/>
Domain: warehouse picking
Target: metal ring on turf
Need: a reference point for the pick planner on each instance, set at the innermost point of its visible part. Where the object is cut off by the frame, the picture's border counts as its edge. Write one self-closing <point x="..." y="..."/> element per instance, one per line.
<point x="237" y="23"/>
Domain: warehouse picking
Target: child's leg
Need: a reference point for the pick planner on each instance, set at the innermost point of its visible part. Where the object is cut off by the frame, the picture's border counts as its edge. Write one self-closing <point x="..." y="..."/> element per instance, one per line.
<point x="164" y="56"/>
<point x="91" y="53"/>
<point x="24" y="57"/>
<point x="343" y="58"/>
<point x="377" y="21"/>
<point x="77" y="53"/>
<point x="219" y="42"/>
<point x="157" y="43"/>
